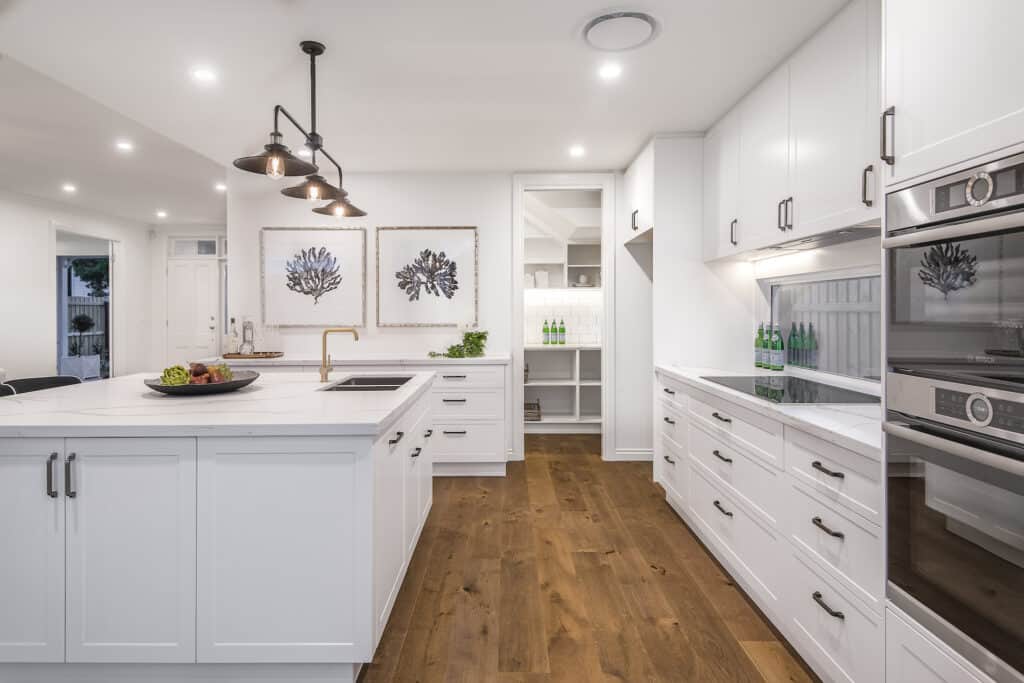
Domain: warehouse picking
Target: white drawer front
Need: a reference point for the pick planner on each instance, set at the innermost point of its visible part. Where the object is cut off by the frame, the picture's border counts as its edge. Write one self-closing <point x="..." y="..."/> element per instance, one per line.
<point x="673" y="424"/>
<point x="840" y="475"/>
<point x="758" y="434"/>
<point x="487" y="405"/>
<point x="672" y="392"/>
<point x="910" y="656"/>
<point x="455" y="377"/>
<point x="846" y="645"/>
<point x="843" y="541"/>
<point x="674" y="468"/>
<point x="745" y="475"/>
<point x="468" y="442"/>
<point x="750" y="545"/>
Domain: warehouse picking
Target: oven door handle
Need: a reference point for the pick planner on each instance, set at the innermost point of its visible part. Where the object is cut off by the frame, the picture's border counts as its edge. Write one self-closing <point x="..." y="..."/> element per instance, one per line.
<point x="958" y="230"/>
<point x="982" y="457"/>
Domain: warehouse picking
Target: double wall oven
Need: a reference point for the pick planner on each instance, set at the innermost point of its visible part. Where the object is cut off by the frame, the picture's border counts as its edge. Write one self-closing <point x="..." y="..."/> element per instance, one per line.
<point x="955" y="410"/>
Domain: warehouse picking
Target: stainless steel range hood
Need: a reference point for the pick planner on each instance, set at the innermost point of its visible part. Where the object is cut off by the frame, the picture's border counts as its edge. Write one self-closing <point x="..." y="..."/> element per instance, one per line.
<point x="828" y="239"/>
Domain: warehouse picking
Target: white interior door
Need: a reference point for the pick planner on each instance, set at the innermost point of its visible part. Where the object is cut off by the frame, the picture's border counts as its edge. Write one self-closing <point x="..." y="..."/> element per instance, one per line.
<point x="131" y="550"/>
<point x="193" y="309"/>
<point x="31" y="551"/>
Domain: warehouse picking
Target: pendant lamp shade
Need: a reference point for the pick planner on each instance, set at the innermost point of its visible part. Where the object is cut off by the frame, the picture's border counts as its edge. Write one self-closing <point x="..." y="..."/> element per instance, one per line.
<point x="341" y="208"/>
<point x="276" y="161"/>
<point x="315" y="188"/>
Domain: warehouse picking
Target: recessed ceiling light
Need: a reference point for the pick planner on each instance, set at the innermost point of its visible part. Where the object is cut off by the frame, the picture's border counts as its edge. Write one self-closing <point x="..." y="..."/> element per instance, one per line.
<point x="305" y="152"/>
<point x="220" y="187"/>
<point x="160" y="213"/>
<point x="204" y="75"/>
<point x="577" y="151"/>
<point x="69" y="188"/>
<point x="620" y="31"/>
<point x="124" y="145"/>
<point x="610" y="71"/>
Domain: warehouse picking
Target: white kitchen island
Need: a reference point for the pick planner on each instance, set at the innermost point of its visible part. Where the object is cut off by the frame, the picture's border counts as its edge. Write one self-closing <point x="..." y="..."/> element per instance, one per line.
<point x="258" y="535"/>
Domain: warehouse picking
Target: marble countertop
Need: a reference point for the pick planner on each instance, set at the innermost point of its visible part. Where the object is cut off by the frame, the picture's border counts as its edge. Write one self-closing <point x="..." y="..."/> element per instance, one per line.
<point x="276" y="404"/>
<point x="383" y="359"/>
<point x="857" y="427"/>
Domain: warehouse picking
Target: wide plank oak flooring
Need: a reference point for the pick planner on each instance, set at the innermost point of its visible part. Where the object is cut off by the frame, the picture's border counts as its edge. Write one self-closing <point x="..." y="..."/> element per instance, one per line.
<point x="570" y="569"/>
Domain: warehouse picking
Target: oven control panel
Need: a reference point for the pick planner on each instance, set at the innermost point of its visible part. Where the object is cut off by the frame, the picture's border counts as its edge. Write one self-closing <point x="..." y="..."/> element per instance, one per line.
<point x="980" y="410"/>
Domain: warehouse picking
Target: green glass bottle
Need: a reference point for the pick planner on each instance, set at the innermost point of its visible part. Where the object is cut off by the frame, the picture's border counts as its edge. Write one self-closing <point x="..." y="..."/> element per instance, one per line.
<point x="793" y="358"/>
<point x="778" y="349"/>
<point x="801" y="340"/>
<point x="546" y="333"/>
<point x="561" y="332"/>
<point x="759" y="347"/>
<point x="766" y="347"/>
<point x="812" y="347"/>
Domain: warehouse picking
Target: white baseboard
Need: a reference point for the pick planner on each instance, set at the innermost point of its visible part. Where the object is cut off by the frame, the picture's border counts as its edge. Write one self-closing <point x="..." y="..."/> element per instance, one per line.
<point x="512" y="457"/>
<point x="469" y="469"/>
<point x="636" y="454"/>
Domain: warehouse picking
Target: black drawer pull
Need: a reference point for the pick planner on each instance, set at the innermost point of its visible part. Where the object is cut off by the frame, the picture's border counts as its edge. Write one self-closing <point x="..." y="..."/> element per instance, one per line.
<point x="722" y="509"/>
<point x="884" y="137"/>
<point x="778" y="216"/>
<point x="720" y="418"/>
<point x="453" y="376"/>
<point x="429" y="433"/>
<point x="415" y="452"/>
<point x="51" y="491"/>
<point x="669" y="460"/>
<point x="453" y="400"/>
<point x="816" y="521"/>
<point x="870" y="168"/>
<point x="718" y="454"/>
<point x="669" y="392"/>
<point x="732" y="232"/>
<point x="824" y="605"/>
<point x="455" y="432"/>
<point x="789" y="213"/>
<point x="832" y="473"/>
<point x="69" y="489"/>
<point x="668" y="420"/>
<point x="632" y="219"/>
<point x="398" y="437"/>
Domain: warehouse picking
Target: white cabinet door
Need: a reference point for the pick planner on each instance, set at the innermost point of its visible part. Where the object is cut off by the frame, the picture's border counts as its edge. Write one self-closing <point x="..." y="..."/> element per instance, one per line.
<point x="390" y="462"/>
<point x="953" y="77"/>
<point x="639" y="183"/>
<point x="910" y="656"/>
<point x="131" y="535"/>
<point x="834" y="138"/>
<point x="764" y="160"/>
<point x="283" y="543"/>
<point x="413" y="454"/>
<point x="32" y="550"/>
<point x="723" y="231"/>
<point x="426" y="473"/>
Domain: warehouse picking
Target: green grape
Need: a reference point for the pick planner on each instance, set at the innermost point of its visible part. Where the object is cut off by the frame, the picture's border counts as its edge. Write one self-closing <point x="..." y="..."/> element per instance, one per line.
<point x="175" y="375"/>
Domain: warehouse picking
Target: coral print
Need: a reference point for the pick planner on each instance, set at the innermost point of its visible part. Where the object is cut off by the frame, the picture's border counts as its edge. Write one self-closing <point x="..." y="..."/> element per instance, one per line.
<point x="313" y="272"/>
<point x="432" y="272"/>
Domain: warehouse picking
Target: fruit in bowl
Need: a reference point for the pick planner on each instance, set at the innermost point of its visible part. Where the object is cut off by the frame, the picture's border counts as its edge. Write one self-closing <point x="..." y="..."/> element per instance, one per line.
<point x="196" y="373"/>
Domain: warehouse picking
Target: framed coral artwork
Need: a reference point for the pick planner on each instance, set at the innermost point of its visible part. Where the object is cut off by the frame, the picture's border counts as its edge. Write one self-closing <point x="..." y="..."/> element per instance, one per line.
<point x="313" y="276"/>
<point x="427" y="277"/>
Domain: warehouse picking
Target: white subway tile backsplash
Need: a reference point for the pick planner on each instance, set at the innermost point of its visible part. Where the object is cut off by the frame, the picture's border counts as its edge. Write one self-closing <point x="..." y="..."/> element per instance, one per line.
<point x="582" y="311"/>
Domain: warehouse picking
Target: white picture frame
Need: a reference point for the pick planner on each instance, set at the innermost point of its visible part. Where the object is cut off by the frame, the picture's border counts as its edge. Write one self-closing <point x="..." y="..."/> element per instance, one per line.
<point x="319" y="288"/>
<point x="428" y="276"/>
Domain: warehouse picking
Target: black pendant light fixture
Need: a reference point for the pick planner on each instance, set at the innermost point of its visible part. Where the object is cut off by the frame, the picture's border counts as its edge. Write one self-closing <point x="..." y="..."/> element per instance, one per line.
<point x="277" y="161"/>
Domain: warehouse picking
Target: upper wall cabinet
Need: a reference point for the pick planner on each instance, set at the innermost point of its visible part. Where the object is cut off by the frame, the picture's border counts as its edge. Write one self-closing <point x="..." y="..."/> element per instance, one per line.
<point x="953" y="83"/>
<point x="639" y="182"/>
<point x="807" y="137"/>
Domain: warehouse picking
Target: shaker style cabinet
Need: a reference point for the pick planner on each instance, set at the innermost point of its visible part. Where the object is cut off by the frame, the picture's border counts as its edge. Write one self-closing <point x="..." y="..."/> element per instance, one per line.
<point x="639" y="182"/>
<point x="807" y="140"/>
<point x="953" y="87"/>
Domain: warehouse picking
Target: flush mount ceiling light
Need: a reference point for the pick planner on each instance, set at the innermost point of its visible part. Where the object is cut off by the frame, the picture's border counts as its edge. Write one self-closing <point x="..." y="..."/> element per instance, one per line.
<point x="124" y="145"/>
<point x="204" y="75"/>
<point x="610" y="71"/>
<point x="69" y="188"/>
<point x="619" y="31"/>
<point x="577" y="151"/>
<point x="160" y="213"/>
<point x="277" y="161"/>
<point x="220" y="187"/>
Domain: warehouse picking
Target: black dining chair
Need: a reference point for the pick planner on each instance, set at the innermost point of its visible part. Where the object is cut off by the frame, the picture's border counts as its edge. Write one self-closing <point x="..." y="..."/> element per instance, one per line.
<point x="6" y="390"/>
<point x="27" y="384"/>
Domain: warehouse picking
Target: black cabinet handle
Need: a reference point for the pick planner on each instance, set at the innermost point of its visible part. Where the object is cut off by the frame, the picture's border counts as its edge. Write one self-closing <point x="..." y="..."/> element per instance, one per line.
<point x="69" y="489"/>
<point x="720" y="418"/>
<point x="789" y="212"/>
<point x="632" y="219"/>
<point x="718" y="454"/>
<point x="870" y="168"/>
<point x="821" y="468"/>
<point x="778" y="216"/>
<point x="816" y="521"/>
<point x="669" y="392"/>
<point x="732" y="232"/>
<point x="883" y="137"/>
<point x="454" y="432"/>
<point x="50" y="490"/>
<point x="722" y="509"/>
<point x="824" y="605"/>
<point x="398" y="437"/>
<point x="669" y="420"/>
<point x="669" y="460"/>
<point x="453" y="376"/>
<point x="453" y="400"/>
<point x="429" y="433"/>
<point x="415" y="452"/>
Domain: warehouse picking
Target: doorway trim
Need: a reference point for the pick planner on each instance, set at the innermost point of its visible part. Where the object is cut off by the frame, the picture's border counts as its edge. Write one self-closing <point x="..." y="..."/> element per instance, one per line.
<point x="605" y="183"/>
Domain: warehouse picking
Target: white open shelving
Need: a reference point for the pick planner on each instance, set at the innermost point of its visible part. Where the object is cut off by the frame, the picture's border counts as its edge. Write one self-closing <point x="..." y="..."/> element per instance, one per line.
<point x="566" y="379"/>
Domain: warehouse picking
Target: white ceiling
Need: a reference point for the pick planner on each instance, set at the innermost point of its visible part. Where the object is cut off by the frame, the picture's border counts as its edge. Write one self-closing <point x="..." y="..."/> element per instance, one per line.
<point x="51" y="135"/>
<point x="410" y="85"/>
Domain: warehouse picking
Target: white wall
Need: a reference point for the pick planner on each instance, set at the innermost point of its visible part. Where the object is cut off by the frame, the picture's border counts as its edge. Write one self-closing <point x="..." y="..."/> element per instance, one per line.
<point x="28" y="289"/>
<point x="483" y="200"/>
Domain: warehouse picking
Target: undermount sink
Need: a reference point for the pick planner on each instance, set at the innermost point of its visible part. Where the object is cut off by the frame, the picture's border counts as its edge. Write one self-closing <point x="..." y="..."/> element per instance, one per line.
<point x="368" y="383"/>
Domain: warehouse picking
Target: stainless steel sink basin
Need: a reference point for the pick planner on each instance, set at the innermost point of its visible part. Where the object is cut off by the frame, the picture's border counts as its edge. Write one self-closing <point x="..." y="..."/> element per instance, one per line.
<point x="368" y="383"/>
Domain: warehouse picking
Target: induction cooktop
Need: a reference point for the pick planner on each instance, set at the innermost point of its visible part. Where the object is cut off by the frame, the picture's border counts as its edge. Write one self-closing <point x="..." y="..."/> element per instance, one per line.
<point x="786" y="389"/>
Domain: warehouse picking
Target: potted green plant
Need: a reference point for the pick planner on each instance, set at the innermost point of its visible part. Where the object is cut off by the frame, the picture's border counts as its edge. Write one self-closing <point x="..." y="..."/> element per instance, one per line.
<point x="77" y="363"/>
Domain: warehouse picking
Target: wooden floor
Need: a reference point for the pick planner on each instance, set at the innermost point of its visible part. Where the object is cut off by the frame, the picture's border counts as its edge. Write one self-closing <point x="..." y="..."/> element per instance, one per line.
<point x="570" y="569"/>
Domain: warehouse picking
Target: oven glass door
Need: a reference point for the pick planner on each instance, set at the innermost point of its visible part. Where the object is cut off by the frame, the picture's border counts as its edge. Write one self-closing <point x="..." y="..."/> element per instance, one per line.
<point x="957" y="300"/>
<point x="956" y="532"/>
